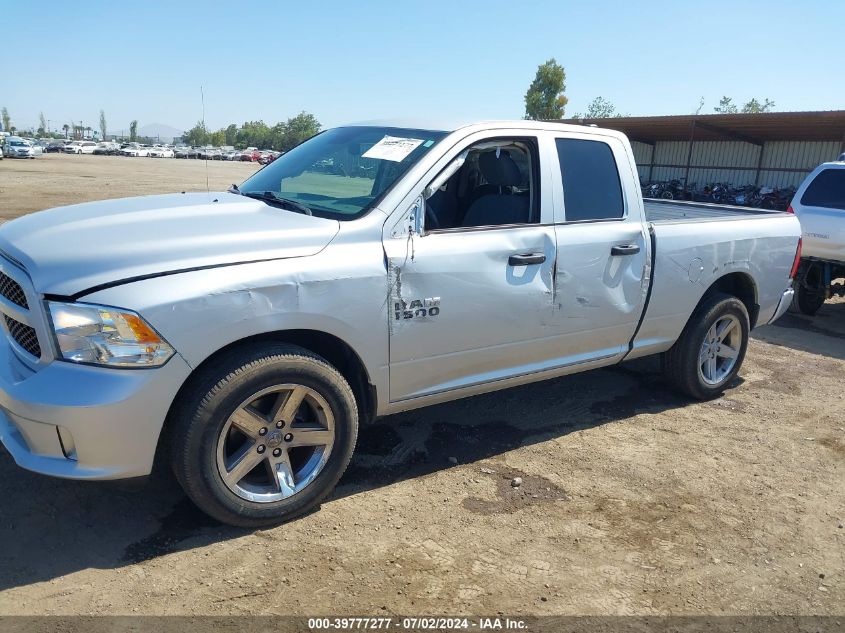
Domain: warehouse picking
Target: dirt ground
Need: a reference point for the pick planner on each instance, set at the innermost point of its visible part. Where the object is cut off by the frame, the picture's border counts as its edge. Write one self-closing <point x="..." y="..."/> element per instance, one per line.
<point x="634" y="501"/>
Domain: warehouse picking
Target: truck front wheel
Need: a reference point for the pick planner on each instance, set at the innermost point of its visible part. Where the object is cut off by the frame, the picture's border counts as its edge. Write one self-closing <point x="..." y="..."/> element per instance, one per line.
<point x="708" y="354"/>
<point x="263" y="435"/>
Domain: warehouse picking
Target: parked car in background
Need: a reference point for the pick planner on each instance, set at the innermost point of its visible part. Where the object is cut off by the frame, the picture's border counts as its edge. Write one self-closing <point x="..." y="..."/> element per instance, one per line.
<point x="160" y="151"/>
<point x="106" y="148"/>
<point x="267" y="156"/>
<point x="247" y="349"/>
<point x="135" y="150"/>
<point x="17" y="147"/>
<point x="55" y="146"/>
<point x="250" y="154"/>
<point x="80" y="147"/>
<point x="819" y="205"/>
<point x="209" y="153"/>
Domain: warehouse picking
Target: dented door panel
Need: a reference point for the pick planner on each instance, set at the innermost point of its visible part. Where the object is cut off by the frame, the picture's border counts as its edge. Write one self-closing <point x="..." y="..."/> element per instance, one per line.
<point x="459" y="314"/>
<point x="599" y="297"/>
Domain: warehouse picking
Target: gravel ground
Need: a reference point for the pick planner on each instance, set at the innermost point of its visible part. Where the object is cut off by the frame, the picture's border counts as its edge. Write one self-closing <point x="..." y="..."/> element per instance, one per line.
<point x="633" y="500"/>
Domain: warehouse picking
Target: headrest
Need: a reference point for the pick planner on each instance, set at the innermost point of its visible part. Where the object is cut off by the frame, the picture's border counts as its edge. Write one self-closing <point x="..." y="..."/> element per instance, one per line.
<point x="499" y="171"/>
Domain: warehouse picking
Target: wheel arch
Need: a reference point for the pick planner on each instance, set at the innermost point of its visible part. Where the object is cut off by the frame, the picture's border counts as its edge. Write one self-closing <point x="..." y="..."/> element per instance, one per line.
<point x="333" y="349"/>
<point x="740" y="285"/>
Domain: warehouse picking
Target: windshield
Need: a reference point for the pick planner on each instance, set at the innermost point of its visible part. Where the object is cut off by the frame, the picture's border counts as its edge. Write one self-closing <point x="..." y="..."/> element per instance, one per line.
<point x="341" y="173"/>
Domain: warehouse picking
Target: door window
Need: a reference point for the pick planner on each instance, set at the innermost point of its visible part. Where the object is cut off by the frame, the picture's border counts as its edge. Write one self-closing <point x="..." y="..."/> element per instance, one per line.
<point x="591" y="186"/>
<point x="826" y="190"/>
<point x="495" y="186"/>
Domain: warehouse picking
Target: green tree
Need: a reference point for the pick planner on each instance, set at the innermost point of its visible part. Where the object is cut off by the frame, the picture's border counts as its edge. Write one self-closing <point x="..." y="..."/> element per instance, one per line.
<point x="298" y="129"/>
<point x="277" y="136"/>
<point x="231" y="134"/>
<point x="42" y="124"/>
<point x="133" y="130"/>
<point x="254" y="134"/>
<point x="198" y="135"/>
<point x="7" y="120"/>
<point x="726" y="106"/>
<point x="103" y="126"/>
<point x="754" y="106"/>
<point x="545" y="99"/>
<point x="599" y="108"/>
<point x="217" y="138"/>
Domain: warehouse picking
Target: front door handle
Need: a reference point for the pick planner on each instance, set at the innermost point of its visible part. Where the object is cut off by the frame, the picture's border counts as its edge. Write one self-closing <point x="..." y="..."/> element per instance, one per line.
<point x="625" y="249"/>
<point x="526" y="259"/>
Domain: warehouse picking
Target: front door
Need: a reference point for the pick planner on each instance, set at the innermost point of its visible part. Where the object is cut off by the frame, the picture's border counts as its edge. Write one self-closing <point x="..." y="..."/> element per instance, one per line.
<point x="471" y="300"/>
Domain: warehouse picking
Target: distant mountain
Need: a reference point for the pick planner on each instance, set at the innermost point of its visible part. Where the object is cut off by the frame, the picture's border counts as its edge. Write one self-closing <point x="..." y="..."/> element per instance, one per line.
<point x="160" y="131"/>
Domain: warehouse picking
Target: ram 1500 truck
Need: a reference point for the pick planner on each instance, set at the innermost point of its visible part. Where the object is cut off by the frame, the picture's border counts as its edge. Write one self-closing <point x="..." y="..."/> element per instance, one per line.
<point x="819" y="204"/>
<point x="243" y="335"/>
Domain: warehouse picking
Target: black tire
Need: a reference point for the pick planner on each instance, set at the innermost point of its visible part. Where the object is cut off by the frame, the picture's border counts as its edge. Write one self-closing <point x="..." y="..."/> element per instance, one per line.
<point x="809" y="290"/>
<point x="808" y="302"/>
<point x="681" y="362"/>
<point x="212" y="396"/>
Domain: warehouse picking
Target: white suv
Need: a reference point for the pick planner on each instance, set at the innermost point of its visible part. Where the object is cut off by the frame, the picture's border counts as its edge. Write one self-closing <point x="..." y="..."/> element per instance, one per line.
<point x="819" y="204"/>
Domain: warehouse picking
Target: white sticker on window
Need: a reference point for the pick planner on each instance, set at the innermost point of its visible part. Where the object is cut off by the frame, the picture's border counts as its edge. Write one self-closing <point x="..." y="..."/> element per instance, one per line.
<point x="393" y="148"/>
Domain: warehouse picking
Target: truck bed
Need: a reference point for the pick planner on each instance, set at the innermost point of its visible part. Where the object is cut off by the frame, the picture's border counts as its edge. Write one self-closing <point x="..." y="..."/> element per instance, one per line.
<point x="658" y="211"/>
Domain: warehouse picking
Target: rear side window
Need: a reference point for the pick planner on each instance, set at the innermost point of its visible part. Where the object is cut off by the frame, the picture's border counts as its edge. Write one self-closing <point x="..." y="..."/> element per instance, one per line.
<point x="826" y="190"/>
<point x="591" y="187"/>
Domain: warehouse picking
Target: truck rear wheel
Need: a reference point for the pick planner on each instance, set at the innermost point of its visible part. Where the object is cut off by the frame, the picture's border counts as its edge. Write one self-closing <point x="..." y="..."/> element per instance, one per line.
<point x="264" y="435"/>
<point x="708" y="354"/>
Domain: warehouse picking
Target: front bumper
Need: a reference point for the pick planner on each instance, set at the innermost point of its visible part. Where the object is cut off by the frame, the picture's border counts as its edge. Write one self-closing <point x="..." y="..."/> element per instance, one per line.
<point x="783" y="304"/>
<point x="84" y="422"/>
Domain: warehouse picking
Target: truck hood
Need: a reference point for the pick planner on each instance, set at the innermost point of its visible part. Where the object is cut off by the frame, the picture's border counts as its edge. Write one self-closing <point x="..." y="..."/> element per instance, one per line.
<point x="68" y="250"/>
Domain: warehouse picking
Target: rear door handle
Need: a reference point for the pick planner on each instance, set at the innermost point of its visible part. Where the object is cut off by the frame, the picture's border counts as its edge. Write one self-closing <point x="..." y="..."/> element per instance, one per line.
<point x="526" y="259"/>
<point x="625" y="249"/>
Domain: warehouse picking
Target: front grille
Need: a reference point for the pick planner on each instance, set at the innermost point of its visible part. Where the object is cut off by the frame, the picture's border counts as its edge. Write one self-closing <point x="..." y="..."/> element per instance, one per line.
<point x="12" y="290"/>
<point x="24" y="336"/>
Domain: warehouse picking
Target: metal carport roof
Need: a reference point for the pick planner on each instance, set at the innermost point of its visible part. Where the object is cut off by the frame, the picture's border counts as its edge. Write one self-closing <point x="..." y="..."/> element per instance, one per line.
<point x="758" y="128"/>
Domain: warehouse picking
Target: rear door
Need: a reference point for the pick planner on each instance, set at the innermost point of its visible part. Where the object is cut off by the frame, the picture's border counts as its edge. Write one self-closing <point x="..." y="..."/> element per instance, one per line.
<point x="603" y="245"/>
<point x="821" y="210"/>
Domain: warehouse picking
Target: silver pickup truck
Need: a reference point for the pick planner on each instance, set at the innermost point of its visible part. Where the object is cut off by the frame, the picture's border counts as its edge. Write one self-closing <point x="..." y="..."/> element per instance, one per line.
<point x="244" y="335"/>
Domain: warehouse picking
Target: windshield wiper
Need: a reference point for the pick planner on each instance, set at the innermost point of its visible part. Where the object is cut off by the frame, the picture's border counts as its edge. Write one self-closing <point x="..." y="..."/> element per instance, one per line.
<point x="271" y="197"/>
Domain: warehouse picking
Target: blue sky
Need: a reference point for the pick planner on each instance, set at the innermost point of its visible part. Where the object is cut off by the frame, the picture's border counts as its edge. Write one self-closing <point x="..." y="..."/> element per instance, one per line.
<point x="463" y="59"/>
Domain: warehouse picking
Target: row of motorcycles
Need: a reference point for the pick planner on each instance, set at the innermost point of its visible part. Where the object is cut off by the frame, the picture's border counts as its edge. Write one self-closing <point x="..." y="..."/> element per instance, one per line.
<point x="773" y="198"/>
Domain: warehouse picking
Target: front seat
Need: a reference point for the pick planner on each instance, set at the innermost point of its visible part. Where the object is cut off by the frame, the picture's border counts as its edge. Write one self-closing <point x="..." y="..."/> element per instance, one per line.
<point x="499" y="205"/>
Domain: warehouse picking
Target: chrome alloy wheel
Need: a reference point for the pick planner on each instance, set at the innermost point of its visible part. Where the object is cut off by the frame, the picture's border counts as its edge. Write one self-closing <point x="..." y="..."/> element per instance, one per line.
<point x="720" y="350"/>
<point x="275" y="443"/>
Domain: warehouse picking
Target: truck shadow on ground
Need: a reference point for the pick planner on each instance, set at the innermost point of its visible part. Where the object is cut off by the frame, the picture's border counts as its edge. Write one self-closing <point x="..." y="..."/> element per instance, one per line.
<point x="51" y="528"/>
<point x="822" y="334"/>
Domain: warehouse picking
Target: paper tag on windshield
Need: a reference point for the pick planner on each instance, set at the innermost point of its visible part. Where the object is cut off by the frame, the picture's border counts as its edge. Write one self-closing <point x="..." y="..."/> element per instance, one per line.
<point x="393" y="148"/>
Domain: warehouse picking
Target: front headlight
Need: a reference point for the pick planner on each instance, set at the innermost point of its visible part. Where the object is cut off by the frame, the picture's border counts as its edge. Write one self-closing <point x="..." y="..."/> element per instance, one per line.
<point x="88" y="333"/>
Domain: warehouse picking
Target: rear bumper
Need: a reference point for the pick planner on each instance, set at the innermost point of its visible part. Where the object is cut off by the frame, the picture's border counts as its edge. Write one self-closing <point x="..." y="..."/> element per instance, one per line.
<point x="783" y="304"/>
<point x="82" y="422"/>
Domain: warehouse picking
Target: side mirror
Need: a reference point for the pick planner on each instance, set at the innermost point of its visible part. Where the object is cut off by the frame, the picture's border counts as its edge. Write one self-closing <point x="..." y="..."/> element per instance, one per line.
<point x="444" y="175"/>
